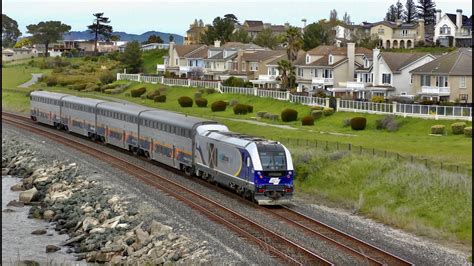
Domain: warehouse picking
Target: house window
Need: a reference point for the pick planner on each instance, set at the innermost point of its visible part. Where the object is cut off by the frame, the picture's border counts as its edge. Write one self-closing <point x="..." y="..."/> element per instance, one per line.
<point x="445" y="30"/>
<point x="308" y="59"/>
<point x="462" y="82"/>
<point x="386" y="78"/>
<point x="411" y="79"/>
<point x="463" y="97"/>
<point x="331" y="59"/>
<point x="253" y="66"/>
<point x="381" y="31"/>
<point x="366" y="63"/>
<point x="327" y="73"/>
<point x="176" y="61"/>
<point x="425" y="80"/>
<point x="404" y="32"/>
<point x="300" y="72"/>
<point x="441" y="81"/>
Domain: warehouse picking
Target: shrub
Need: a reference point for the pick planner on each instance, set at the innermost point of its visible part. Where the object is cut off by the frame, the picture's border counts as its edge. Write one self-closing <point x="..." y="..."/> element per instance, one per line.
<point x="316" y="114"/>
<point x="346" y="122"/>
<point x="289" y="115"/>
<point x="143" y="96"/>
<point x="77" y="87"/>
<point x="234" y="82"/>
<point x="358" y="123"/>
<point x="438" y="129"/>
<point x="160" y="98"/>
<point x="327" y="111"/>
<point x="137" y="92"/>
<point x="317" y="108"/>
<point x="401" y="99"/>
<point x="162" y="90"/>
<point x="218" y="106"/>
<point x="197" y="95"/>
<point x="201" y="102"/>
<point x="270" y="116"/>
<point x="261" y="114"/>
<point x="249" y="108"/>
<point x="458" y="128"/>
<point x="210" y="91"/>
<point x="92" y="87"/>
<point x="233" y="102"/>
<point x="377" y="99"/>
<point x="388" y="122"/>
<point x="107" y="77"/>
<point x="51" y="81"/>
<point x="468" y="132"/>
<point x="240" y="109"/>
<point x="307" y="121"/>
<point x="185" y="101"/>
<point x="152" y="94"/>
<point x="108" y="91"/>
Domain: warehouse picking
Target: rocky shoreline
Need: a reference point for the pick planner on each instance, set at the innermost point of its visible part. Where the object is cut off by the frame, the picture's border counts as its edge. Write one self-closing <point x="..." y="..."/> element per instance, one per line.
<point x="102" y="226"/>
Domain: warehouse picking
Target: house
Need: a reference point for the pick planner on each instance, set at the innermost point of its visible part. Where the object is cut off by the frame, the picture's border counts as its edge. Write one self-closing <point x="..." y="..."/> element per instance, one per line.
<point x="193" y="35"/>
<point x="447" y="78"/>
<point x="390" y="73"/>
<point x="152" y="46"/>
<point x="328" y="67"/>
<point x="453" y="29"/>
<point x="397" y="34"/>
<point x="182" y="58"/>
<point x="11" y="54"/>
<point x="342" y="34"/>
<point x="254" y="27"/>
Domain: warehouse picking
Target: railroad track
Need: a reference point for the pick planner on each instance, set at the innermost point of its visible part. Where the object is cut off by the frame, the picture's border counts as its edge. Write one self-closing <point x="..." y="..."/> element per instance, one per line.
<point x="278" y="246"/>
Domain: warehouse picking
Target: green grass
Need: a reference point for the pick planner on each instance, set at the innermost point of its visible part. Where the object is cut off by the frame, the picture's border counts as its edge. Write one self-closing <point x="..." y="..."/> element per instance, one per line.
<point x="432" y="50"/>
<point x="151" y="58"/>
<point x="15" y="75"/>
<point x="409" y="196"/>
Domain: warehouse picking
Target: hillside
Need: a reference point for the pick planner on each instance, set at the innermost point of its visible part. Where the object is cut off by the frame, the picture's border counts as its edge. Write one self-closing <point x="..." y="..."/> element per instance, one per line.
<point x="85" y="35"/>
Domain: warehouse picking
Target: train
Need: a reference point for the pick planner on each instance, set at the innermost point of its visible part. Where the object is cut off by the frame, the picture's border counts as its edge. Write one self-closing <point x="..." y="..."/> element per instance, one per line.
<point x="259" y="169"/>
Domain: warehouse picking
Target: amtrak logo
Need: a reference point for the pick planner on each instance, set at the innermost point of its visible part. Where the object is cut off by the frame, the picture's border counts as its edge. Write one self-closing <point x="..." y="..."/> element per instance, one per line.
<point x="274" y="181"/>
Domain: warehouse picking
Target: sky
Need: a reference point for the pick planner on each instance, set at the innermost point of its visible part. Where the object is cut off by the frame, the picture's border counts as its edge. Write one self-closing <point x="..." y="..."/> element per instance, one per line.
<point x="174" y="16"/>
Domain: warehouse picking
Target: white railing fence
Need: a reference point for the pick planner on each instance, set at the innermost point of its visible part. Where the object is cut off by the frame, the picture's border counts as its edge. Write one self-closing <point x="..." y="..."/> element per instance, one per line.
<point x="414" y="110"/>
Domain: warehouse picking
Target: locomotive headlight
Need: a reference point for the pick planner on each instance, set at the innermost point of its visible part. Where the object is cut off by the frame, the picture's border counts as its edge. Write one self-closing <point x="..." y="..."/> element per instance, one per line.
<point x="259" y="174"/>
<point x="289" y="174"/>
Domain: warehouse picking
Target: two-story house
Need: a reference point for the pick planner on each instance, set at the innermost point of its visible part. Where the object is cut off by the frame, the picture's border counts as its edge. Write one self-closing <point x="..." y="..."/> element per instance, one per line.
<point x="447" y="78"/>
<point x="327" y="67"/>
<point x="259" y="69"/>
<point x="453" y="29"/>
<point x="182" y="58"/>
<point x="397" y="34"/>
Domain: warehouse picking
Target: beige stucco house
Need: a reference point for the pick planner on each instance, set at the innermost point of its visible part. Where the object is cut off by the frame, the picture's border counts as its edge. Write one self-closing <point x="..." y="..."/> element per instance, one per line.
<point x="397" y="34"/>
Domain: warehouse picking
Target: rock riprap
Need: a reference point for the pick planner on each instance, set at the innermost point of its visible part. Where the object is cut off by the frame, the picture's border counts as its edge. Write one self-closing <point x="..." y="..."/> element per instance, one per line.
<point x="102" y="226"/>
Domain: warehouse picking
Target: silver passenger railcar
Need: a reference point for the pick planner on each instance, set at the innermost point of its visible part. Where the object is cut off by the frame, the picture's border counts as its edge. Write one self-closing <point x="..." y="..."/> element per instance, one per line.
<point x="78" y="115"/>
<point x="45" y="107"/>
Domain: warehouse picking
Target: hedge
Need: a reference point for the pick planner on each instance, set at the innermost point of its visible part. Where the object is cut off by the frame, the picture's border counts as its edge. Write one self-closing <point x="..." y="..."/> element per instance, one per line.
<point x="77" y="87"/>
<point x="358" y="123"/>
<point x="270" y="116"/>
<point x="185" y="101"/>
<point x="458" y="128"/>
<point x="307" y="121"/>
<point x="468" y="132"/>
<point x="327" y="111"/>
<point x="438" y="129"/>
<point x="160" y="99"/>
<point x="137" y="92"/>
<point x="242" y="109"/>
<point x="261" y="114"/>
<point x="152" y="94"/>
<point x="218" y="106"/>
<point x="316" y="114"/>
<point x="289" y="115"/>
<point x="201" y="102"/>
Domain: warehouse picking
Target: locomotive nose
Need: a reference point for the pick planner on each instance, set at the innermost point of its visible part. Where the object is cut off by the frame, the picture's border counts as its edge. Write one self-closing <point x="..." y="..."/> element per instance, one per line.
<point x="273" y="194"/>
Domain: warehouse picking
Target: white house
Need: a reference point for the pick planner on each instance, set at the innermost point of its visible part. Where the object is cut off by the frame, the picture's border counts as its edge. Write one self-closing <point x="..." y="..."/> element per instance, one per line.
<point x="391" y="71"/>
<point x="453" y="29"/>
<point x="11" y="54"/>
<point x="151" y="46"/>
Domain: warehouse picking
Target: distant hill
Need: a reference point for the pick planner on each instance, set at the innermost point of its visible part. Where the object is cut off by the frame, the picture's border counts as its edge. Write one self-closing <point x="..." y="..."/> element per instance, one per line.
<point x="85" y="35"/>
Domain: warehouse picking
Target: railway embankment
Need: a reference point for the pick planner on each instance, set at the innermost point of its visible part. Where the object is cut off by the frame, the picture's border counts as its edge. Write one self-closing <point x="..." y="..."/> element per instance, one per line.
<point x="102" y="226"/>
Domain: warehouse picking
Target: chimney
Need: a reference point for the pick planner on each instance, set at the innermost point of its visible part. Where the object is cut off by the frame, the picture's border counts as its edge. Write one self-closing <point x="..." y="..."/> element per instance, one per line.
<point x="459" y="19"/>
<point x="171" y="54"/>
<point x="398" y="22"/>
<point x="240" y="54"/>
<point x="438" y="15"/>
<point x="217" y="43"/>
<point x="421" y="30"/>
<point x="375" y="68"/>
<point x="351" y="57"/>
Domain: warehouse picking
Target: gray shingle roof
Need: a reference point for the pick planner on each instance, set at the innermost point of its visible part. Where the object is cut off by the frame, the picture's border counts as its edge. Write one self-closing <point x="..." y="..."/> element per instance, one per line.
<point x="457" y="63"/>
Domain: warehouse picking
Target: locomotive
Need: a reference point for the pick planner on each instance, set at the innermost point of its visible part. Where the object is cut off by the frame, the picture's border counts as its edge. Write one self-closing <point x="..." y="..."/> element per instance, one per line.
<point x="260" y="169"/>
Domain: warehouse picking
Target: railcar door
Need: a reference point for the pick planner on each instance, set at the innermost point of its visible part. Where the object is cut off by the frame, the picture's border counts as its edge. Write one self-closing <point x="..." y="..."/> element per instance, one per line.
<point x="173" y="156"/>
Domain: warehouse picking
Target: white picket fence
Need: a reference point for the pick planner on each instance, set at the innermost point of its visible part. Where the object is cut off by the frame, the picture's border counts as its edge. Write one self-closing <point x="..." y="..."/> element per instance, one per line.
<point x="414" y="110"/>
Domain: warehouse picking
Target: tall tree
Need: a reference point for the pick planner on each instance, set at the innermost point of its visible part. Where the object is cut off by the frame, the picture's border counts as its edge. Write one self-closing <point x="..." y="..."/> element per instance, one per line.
<point x="399" y="10"/>
<point x="294" y="42"/>
<point x="364" y="39"/>
<point x="391" y="14"/>
<point x="10" y="31"/>
<point x="266" y="38"/>
<point x="426" y="11"/>
<point x="410" y="11"/>
<point x="132" y="57"/>
<point x="315" y="34"/>
<point x="47" y="32"/>
<point x="153" y="39"/>
<point x="170" y="38"/>
<point x="232" y="18"/>
<point x="346" y="19"/>
<point x="333" y="15"/>
<point x="240" y="35"/>
<point x="221" y="29"/>
<point x="23" y="42"/>
<point x="287" y="73"/>
<point x="100" y="27"/>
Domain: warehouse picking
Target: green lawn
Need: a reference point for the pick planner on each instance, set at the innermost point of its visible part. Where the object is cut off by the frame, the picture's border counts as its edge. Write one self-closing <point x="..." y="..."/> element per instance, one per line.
<point x="432" y="50"/>
<point x="14" y="75"/>
<point x="152" y="58"/>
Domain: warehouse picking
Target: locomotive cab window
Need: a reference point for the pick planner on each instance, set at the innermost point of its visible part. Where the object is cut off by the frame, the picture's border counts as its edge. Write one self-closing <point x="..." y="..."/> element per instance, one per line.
<point x="272" y="159"/>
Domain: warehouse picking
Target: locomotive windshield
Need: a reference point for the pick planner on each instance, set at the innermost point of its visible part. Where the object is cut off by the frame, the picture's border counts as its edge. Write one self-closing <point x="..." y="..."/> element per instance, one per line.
<point x="272" y="159"/>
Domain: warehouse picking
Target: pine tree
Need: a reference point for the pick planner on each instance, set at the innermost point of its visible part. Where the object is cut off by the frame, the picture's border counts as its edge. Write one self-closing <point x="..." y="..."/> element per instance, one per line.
<point x="391" y="14"/>
<point x="410" y="11"/>
<point x="399" y="10"/>
<point x="426" y="11"/>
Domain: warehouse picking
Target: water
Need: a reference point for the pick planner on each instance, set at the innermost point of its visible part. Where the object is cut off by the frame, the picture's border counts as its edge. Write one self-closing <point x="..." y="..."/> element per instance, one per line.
<point x="17" y="241"/>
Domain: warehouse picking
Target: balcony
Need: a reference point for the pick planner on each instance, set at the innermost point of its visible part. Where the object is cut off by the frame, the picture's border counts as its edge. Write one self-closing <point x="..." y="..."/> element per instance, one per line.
<point x="403" y="36"/>
<point x="160" y="68"/>
<point x="322" y="81"/>
<point x="184" y="69"/>
<point x="435" y="90"/>
<point x="267" y="77"/>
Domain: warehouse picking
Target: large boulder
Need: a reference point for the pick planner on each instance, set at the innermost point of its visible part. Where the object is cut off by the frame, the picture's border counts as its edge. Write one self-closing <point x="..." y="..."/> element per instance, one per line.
<point x="52" y="248"/>
<point x="17" y="187"/>
<point x="143" y="238"/>
<point x="28" y="195"/>
<point x="39" y="232"/>
<point x="15" y="203"/>
<point x="158" y="229"/>
<point x="89" y="223"/>
<point x="48" y="214"/>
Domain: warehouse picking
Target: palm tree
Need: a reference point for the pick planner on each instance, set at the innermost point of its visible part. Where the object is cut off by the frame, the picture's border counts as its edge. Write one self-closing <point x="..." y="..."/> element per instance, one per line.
<point x="294" y="43"/>
<point x="287" y="73"/>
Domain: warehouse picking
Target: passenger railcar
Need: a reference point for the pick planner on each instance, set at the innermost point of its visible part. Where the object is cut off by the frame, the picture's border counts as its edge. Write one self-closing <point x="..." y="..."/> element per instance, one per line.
<point x="257" y="168"/>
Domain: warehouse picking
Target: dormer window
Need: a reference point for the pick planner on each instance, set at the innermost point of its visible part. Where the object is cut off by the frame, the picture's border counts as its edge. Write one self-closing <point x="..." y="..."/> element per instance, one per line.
<point x="366" y="63"/>
<point x="331" y="59"/>
<point x="308" y="59"/>
<point x="445" y="30"/>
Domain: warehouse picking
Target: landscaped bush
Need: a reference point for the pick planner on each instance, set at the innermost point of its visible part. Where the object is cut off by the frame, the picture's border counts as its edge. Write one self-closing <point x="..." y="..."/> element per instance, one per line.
<point x="201" y="102"/>
<point x="358" y="123"/>
<point x="400" y="99"/>
<point x="92" y="87"/>
<point x="327" y="111"/>
<point x="233" y="102"/>
<point x="197" y="95"/>
<point x="458" y="128"/>
<point x="468" y="132"/>
<point x="377" y="99"/>
<point x="289" y="115"/>
<point x="270" y="116"/>
<point x="51" y="81"/>
<point x="261" y="114"/>
<point x="108" y="87"/>
<point x="218" y="106"/>
<point x="346" y="122"/>
<point x="240" y="109"/>
<point x="316" y="114"/>
<point x="438" y="129"/>
<point x="307" y="121"/>
<point x="137" y="92"/>
<point x="210" y="91"/>
<point x="152" y="94"/>
<point x="249" y="108"/>
<point x="235" y="82"/>
<point x="388" y="122"/>
<point x="160" y="98"/>
<point x="185" y="101"/>
<point x="107" y="77"/>
<point x="77" y="87"/>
